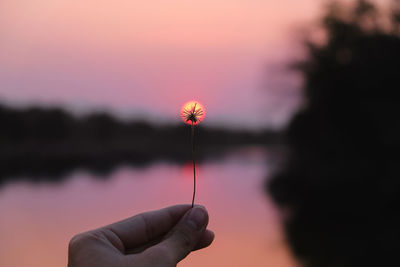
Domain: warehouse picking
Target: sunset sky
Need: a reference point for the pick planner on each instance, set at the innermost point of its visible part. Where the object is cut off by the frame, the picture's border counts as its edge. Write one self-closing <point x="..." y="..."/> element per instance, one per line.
<point x="147" y="58"/>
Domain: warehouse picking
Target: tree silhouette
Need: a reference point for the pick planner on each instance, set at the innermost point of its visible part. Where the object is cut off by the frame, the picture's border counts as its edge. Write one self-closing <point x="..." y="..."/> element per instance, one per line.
<point x="48" y="143"/>
<point x="340" y="187"/>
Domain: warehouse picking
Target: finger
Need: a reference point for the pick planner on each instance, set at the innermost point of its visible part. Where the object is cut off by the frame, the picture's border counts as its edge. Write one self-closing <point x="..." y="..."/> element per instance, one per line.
<point x="205" y="240"/>
<point x="144" y="227"/>
<point x="184" y="236"/>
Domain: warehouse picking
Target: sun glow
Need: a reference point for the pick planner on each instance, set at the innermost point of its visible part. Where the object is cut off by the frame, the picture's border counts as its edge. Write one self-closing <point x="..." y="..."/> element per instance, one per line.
<point x="192" y="112"/>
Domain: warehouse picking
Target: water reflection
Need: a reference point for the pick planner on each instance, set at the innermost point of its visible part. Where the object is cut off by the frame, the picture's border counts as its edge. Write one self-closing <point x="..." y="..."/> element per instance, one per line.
<point x="40" y="218"/>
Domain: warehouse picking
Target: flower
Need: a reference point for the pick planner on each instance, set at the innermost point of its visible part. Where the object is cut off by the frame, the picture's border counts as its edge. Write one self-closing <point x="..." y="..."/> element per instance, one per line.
<point x="192" y="113"/>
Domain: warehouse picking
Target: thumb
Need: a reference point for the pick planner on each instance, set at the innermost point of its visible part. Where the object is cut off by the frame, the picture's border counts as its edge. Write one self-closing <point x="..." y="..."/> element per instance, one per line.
<point x="186" y="234"/>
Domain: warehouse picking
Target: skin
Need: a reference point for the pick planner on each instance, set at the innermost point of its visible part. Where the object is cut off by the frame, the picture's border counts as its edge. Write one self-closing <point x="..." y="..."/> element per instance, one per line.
<point x="157" y="238"/>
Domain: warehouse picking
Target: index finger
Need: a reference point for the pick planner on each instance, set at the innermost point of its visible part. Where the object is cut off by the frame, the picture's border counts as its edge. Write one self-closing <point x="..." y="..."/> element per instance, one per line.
<point x="142" y="228"/>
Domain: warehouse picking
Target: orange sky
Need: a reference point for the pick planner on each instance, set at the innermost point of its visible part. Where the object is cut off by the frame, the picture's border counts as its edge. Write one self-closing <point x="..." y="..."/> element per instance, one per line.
<point x="146" y="58"/>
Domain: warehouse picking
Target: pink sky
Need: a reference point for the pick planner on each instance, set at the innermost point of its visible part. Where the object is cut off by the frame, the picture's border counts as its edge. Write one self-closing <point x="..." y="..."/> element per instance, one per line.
<point x="146" y="58"/>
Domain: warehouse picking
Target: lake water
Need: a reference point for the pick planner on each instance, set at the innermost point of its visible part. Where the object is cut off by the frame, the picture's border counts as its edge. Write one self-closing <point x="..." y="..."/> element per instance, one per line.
<point x="38" y="219"/>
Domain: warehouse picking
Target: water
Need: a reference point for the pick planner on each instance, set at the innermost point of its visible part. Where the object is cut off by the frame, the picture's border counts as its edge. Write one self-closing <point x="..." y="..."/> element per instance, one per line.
<point x="38" y="219"/>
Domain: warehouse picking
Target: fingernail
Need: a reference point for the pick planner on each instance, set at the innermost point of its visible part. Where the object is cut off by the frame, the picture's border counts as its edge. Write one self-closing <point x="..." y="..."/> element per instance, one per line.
<point x="197" y="218"/>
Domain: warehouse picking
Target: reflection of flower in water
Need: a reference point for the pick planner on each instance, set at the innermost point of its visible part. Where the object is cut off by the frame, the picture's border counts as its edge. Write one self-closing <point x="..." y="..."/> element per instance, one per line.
<point x="192" y="113"/>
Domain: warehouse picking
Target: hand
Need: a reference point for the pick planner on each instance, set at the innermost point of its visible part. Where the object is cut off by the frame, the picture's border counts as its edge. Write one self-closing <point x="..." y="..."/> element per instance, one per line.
<point x="159" y="238"/>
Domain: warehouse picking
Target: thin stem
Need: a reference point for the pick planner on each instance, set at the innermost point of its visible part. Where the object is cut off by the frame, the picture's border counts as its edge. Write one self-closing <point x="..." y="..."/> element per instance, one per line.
<point x="194" y="164"/>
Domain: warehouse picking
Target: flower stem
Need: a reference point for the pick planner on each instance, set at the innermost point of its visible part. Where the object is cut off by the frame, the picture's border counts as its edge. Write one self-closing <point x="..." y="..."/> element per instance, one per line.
<point x="194" y="164"/>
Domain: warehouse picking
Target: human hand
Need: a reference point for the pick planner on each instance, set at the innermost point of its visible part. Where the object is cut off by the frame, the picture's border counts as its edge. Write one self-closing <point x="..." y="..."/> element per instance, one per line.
<point x="158" y="238"/>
